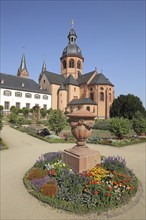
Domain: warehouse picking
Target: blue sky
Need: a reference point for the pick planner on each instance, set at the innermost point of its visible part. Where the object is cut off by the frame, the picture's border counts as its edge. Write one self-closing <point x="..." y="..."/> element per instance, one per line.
<point x="111" y="36"/>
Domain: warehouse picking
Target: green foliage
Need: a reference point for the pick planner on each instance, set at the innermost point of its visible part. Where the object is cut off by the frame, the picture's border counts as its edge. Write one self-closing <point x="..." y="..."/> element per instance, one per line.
<point x="25" y="111"/>
<point x="15" y="110"/>
<point x="1" y="124"/>
<point x="139" y="123"/>
<point x="56" y="121"/>
<point x="120" y="127"/>
<point x="126" y="106"/>
<point x="20" y="121"/>
<point x="13" y="118"/>
<point x="1" y="108"/>
<point x="101" y="124"/>
<point x="43" y="112"/>
<point x="94" y="140"/>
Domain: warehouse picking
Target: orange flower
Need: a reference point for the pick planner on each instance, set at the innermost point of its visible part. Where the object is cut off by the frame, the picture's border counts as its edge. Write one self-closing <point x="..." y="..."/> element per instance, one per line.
<point x="110" y="188"/>
<point x="95" y="192"/>
<point x="85" y="190"/>
<point x="108" y="194"/>
<point x="87" y="186"/>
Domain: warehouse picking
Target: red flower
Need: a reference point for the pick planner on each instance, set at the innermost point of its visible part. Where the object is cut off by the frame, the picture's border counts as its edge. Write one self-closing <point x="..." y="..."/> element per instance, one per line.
<point x="108" y="194"/>
<point x="52" y="172"/>
<point x="132" y="188"/>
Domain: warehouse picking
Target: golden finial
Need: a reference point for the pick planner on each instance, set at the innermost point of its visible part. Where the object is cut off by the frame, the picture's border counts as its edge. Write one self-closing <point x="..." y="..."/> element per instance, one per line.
<point x="72" y="23"/>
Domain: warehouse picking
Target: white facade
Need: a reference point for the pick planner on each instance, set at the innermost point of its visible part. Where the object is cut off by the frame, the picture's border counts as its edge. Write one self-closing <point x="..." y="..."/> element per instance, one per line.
<point x="20" y="99"/>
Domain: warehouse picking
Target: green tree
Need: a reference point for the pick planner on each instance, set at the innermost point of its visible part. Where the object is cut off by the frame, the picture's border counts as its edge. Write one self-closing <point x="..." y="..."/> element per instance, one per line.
<point x="119" y="127"/>
<point x="20" y="121"/>
<point x="126" y="106"/>
<point x="139" y="123"/>
<point x="1" y="123"/>
<point x="43" y="112"/>
<point x="1" y="108"/>
<point x="25" y="111"/>
<point x="15" y="110"/>
<point x="57" y="121"/>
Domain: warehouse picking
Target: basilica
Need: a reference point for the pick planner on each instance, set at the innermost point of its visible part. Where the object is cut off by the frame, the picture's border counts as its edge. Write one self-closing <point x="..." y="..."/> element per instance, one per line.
<point x="72" y="89"/>
<point x="69" y="90"/>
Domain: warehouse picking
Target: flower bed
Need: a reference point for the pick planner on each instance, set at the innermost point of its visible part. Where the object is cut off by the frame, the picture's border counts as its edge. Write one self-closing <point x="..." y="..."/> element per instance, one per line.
<point x="107" y="185"/>
<point x="117" y="142"/>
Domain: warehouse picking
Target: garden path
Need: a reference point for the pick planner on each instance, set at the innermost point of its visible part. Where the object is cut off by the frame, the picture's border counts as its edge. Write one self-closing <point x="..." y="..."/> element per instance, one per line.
<point x="18" y="204"/>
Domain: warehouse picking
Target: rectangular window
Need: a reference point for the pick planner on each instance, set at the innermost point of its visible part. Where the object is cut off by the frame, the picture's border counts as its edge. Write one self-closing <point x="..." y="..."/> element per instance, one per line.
<point x="18" y="94"/>
<point x="27" y="105"/>
<point x="17" y="104"/>
<point x="7" y="105"/>
<point x="45" y="106"/>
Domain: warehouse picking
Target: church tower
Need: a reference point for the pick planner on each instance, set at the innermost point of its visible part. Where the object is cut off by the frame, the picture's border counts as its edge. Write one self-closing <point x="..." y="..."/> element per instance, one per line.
<point x="72" y="59"/>
<point x="22" y="71"/>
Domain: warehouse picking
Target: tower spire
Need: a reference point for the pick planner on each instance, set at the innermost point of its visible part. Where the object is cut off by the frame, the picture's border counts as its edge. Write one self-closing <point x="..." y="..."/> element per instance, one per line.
<point x="22" y="71"/>
<point x="72" y="23"/>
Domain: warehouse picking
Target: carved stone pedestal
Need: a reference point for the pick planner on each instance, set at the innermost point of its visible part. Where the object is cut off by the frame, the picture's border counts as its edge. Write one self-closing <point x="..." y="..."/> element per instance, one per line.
<point x="81" y="158"/>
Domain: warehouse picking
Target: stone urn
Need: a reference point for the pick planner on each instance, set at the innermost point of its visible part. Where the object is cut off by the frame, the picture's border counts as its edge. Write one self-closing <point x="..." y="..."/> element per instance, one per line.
<point x="80" y="157"/>
<point x="81" y="123"/>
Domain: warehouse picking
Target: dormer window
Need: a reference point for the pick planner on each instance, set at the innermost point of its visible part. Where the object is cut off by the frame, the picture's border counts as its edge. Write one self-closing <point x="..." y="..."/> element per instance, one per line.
<point x="22" y="84"/>
<point x="2" y="81"/>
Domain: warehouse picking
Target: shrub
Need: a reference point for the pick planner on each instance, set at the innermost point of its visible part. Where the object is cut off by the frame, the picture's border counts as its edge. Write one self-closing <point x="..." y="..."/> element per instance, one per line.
<point x="37" y="173"/>
<point x="25" y="111"/>
<point x="13" y="118"/>
<point x="139" y="123"/>
<point x="57" y="121"/>
<point x="49" y="189"/>
<point x="20" y="121"/>
<point x="119" y="127"/>
<point x="94" y="140"/>
<point x="101" y="124"/>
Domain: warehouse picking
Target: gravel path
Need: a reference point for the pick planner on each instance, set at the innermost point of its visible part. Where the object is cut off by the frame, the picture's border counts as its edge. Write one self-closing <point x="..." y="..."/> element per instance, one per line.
<point x="18" y="204"/>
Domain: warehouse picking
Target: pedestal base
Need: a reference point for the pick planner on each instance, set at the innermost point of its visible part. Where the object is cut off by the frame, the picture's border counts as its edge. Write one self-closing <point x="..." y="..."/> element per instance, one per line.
<point x="81" y="158"/>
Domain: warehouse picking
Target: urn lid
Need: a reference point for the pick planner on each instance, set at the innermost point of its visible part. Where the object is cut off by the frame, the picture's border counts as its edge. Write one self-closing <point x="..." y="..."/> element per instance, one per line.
<point x="81" y="114"/>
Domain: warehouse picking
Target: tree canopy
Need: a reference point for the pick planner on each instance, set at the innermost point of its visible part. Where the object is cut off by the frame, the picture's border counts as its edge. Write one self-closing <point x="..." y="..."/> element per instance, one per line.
<point x="57" y="121"/>
<point x="126" y="106"/>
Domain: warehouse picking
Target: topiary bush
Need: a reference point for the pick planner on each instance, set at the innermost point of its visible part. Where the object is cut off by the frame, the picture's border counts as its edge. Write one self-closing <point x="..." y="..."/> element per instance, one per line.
<point x="119" y="127"/>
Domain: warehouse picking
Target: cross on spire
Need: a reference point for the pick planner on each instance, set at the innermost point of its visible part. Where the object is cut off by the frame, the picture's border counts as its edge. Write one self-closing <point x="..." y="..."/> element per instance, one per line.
<point x="72" y="23"/>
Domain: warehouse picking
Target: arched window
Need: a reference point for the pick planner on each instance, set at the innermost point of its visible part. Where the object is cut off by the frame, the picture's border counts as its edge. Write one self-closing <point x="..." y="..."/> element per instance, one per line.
<point x="37" y="96"/>
<point x="91" y="94"/>
<point x="101" y="88"/>
<point x="7" y="93"/>
<point x="28" y="95"/>
<point x="88" y="108"/>
<point x="79" y="64"/>
<point x="64" y="64"/>
<point x="71" y="63"/>
<point x="18" y="94"/>
<point x="101" y="96"/>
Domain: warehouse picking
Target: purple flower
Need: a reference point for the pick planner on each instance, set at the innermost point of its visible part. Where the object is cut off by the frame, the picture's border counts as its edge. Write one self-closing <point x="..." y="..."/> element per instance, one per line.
<point x="38" y="183"/>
